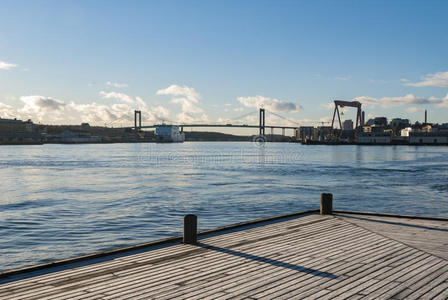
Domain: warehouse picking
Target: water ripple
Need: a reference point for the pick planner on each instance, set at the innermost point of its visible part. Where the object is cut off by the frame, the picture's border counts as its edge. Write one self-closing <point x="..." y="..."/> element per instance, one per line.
<point x="65" y="200"/>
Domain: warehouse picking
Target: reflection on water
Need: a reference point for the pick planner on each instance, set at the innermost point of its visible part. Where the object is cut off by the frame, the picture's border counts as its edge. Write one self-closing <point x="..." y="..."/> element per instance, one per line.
<point x="65" y="200"/>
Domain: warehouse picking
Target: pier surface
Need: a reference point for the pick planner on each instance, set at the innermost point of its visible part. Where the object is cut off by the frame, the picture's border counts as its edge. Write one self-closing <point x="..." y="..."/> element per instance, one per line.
<point x="340" y="256"/>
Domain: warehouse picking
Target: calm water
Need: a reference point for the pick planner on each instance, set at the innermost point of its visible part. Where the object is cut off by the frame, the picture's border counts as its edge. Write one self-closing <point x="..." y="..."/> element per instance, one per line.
<point x="59" y="201"/>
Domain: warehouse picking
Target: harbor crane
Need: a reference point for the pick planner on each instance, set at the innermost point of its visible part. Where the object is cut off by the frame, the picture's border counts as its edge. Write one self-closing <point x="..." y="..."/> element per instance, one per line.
<point x="340" y="103"/>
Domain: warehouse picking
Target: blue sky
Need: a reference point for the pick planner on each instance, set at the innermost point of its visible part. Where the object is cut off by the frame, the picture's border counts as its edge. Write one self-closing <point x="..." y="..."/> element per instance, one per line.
<point x="210" y="61"/>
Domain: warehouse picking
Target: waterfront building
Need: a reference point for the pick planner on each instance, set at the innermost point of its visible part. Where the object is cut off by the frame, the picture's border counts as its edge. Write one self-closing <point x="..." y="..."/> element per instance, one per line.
<point x="428" y="137"/>
<point x="70" y="137"/>
<point x="443" y="126"/>
<point x="374" y="138"/>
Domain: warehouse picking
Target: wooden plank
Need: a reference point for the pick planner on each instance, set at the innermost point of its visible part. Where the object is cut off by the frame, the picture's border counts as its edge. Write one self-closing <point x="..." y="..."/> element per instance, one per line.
<point x="374" y="258"/>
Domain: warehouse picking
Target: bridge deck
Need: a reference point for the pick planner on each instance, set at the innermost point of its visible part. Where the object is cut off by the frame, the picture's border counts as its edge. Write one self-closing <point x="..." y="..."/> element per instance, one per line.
<point x="344" y="256"/>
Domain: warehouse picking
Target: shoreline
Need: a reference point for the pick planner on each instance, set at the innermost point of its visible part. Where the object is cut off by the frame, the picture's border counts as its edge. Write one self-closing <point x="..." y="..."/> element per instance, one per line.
<point x="248" y="141"/>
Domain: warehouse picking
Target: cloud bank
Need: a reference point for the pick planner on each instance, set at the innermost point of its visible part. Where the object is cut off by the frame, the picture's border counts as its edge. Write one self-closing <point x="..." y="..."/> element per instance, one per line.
<point x="50" y="110"/>
<point x="409" y="99"/>
<point x="188" y="99"/>
<point x="270" y="104"/>
<point x="439" y="79"/>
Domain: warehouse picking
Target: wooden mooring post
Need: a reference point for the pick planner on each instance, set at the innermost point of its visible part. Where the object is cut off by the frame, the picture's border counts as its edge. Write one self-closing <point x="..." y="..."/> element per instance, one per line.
<point x="326" y="204"/>
<point x="190" y="229"/>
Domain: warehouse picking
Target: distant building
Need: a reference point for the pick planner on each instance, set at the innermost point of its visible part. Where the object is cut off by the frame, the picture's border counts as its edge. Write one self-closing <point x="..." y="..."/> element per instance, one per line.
<point x="322" y="133"/>
<point x="305" y="133"/>
<point x="398" y="124"/>
<point x="378" y="121"/>
<point x="13" y="131"/>
<point x="373" y="128"/>
<point x="428" y="128"/>
<point x="443" y="126"/>
<point x="374" y="138"/>
<point x="406" y="131"/>
<point x="347" y="125"/>
<point x="428" y="138"/>
<point x="70" y="137"/>
<point x="14" y="125"/>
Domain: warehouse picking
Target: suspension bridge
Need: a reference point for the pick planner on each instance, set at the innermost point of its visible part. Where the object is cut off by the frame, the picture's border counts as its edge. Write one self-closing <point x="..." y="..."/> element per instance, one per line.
<point x="261" y="124"/>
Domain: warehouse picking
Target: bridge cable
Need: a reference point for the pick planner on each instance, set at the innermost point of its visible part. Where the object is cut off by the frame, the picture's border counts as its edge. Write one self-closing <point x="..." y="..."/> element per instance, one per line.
<point x="243" y="116"/>
<point x="284" y="118"/>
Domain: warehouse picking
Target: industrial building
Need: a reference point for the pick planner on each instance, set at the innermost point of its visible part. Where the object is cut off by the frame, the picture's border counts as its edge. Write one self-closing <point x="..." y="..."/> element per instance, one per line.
<point x="375" y="138"/>
<point x="428" y="138"/>
<point x="305" y="133"/>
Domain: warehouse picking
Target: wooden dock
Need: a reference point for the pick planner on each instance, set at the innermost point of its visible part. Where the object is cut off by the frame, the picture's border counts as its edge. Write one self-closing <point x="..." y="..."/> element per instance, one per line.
<point x="305" y="256"/>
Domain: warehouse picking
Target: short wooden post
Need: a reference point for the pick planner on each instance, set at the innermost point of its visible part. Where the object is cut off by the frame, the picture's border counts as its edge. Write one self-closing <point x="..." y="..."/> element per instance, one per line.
<point x="190" y="229"/>
<point x="326" y="204"/>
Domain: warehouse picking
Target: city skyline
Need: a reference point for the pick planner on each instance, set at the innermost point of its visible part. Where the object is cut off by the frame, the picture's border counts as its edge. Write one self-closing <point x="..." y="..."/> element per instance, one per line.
<point x="67" y="63"/>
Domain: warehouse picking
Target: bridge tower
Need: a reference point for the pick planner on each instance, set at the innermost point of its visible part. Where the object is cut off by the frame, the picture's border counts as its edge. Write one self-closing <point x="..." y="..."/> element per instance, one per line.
<point x="262" y="121"/>
<point x="137" y="115"/>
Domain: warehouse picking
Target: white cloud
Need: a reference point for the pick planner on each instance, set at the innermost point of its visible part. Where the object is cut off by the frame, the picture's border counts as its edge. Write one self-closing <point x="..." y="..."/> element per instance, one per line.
<point x="98" y="113"/>
<point x="187" y="105"/>
<point x="118" y="96"/>
<point x="367" y="101"/>
<point x="441" y="102"/>
<point x="120" y="112"/>
<point x="414" y="109"/>
<point x="41" y="108"/>
<point x="6" y="66"/>
<point x="270" y="104"/>
<point x="7" y="111"/>
<point x="188" y="99"/>
<point x="238" y="109"/>
<point x="117" y="85"/>
<point x="409" y="99"/>
<point x="330" y="106"/>
<point x="37" y="104"/>
<point x="185" y="91"/>
<point x="49" y="110"/>
<point x="185" y="117"/>
<point x="439" y="79"/>
<point x="404" y="80"/>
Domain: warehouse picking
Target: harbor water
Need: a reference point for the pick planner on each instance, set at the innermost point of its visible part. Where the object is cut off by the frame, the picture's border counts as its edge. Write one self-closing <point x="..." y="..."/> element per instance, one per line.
<point x="59" y="201"/>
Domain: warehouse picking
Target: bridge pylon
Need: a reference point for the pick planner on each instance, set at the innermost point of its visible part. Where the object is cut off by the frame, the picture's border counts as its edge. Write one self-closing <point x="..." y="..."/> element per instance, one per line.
<point x="262" y="121"/>
<point x="137" y="116"/>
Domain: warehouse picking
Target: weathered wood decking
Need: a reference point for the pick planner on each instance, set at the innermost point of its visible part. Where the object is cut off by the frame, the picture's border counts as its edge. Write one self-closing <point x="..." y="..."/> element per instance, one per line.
<point x="341" y="256"/>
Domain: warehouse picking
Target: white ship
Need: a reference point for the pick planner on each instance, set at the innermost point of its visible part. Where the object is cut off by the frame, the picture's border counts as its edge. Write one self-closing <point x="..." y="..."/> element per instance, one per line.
<point x="169" y="134"/>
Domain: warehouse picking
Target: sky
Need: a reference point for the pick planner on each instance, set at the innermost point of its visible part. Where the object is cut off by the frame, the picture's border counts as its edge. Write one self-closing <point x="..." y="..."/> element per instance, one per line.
<point x="67" y="62"/>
